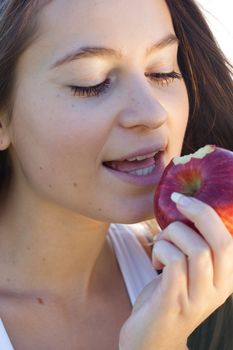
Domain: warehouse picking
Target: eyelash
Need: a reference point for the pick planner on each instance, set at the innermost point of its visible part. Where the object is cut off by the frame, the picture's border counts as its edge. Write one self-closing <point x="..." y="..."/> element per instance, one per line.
<point x="97" y="90"/>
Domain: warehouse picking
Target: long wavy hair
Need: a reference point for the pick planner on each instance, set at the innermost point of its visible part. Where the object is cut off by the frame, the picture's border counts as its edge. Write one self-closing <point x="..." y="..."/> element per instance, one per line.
<point x="207" y="75"/>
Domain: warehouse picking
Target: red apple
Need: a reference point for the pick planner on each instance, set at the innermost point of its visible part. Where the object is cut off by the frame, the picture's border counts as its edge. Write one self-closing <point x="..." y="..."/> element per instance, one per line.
<point x="207" y="175"/>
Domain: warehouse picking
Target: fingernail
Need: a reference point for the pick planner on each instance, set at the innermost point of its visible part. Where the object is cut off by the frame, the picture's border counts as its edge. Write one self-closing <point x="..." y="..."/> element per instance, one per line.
<point x="181" y="199"/>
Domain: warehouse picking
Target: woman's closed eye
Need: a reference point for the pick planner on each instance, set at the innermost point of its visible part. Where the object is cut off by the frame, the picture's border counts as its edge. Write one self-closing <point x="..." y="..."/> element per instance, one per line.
<point x="90" y="91"/>
<point x="161" y="79"/>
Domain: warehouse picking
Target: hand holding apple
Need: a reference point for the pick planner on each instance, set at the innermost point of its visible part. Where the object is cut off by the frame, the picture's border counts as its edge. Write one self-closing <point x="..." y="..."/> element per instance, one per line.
<point x="197" y="268"/>
<point x="206" y="175"/>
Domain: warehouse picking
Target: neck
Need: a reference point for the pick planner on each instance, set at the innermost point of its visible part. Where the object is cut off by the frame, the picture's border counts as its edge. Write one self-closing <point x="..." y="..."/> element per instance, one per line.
<point x="43" y="247"/>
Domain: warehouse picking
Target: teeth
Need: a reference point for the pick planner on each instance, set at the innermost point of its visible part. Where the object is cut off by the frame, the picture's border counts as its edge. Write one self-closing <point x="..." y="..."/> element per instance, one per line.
<point x="143" y="172"/>
<point x="142" y="157"/>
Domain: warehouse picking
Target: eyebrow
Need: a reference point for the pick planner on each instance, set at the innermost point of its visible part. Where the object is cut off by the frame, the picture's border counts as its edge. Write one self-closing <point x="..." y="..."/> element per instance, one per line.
<point x="90" y="52"/>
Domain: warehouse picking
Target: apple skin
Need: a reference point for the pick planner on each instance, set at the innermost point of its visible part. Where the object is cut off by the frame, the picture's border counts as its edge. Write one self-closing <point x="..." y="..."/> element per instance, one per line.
<point x="208" y="178"/>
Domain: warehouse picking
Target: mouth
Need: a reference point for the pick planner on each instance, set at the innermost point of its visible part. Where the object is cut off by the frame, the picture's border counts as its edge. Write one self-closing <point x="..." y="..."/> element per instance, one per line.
<point x="137" y="166"/>
<point x="142" y="171"/>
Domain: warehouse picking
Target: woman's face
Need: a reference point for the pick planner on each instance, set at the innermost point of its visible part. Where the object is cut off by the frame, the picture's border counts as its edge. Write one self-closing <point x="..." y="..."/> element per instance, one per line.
<point x="61" y="135"/>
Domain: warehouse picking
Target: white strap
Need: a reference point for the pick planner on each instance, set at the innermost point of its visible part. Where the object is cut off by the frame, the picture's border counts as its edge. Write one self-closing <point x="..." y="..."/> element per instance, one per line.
<point x="135" y="265"/>
<point x="5" y="343"/>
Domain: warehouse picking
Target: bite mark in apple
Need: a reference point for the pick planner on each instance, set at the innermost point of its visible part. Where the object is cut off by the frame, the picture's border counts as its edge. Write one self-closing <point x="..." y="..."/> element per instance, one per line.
<point x="200" y="153"/>
<point x="206" y="175"/>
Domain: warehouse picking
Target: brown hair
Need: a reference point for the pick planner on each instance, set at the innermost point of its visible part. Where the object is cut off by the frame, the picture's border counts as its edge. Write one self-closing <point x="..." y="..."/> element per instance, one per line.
<point x="207" y="76"/>
<point x="18" y="28"/>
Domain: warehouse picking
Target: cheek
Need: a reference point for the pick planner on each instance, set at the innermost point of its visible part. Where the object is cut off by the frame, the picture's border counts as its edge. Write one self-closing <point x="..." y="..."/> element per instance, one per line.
<point x="179" y="109"/>
<point x="58" y="136"/>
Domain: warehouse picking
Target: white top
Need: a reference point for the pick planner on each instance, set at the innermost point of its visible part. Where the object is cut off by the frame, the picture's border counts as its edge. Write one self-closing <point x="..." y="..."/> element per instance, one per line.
<point x="5" y="343"/>
<point x="134" y="263"/>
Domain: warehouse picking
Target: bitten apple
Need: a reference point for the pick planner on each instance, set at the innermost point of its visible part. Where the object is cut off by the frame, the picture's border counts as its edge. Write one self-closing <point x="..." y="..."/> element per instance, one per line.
<point x="206" y="175"/>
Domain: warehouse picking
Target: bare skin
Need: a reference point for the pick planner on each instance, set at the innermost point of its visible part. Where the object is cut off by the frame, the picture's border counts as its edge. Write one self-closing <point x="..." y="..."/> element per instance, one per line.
<point x="41" y="320"/>
<point x="60" y="284"/>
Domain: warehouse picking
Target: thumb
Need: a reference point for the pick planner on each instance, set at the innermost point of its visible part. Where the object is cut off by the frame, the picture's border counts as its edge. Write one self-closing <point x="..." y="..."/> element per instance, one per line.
<point x="147" y="293"/>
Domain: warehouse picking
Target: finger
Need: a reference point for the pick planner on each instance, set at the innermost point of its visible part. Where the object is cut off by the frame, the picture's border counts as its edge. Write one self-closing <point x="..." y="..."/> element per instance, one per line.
<point x="200" y="261"/>
<point x="205" y="218"/>
<point x="174" y="275"/>
<point x="211" y="227"/>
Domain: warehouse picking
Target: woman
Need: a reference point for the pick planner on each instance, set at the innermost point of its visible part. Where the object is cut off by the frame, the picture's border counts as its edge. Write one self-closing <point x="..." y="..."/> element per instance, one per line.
<point x="87" y="87"/>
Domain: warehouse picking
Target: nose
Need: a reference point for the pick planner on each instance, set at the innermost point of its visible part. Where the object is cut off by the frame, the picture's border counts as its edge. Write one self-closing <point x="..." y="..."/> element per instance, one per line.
<point x="141" y="107"/>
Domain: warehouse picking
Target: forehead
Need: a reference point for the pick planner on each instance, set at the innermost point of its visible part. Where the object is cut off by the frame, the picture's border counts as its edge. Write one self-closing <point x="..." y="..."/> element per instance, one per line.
<point x="127" y="24"/>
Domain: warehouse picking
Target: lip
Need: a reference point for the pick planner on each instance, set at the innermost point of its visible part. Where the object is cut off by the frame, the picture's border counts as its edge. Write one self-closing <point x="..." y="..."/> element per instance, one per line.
<point x="142" y="181"/>
<point x="143" y="151"/>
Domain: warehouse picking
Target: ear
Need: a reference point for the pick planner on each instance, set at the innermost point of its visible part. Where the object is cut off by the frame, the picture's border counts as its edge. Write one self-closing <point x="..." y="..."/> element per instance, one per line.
<point x="4" y="135"/>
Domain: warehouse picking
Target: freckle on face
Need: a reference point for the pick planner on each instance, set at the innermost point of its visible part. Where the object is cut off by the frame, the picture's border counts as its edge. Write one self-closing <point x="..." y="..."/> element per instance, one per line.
<point x="74" y="184"/>
<point x="40" y="300"/>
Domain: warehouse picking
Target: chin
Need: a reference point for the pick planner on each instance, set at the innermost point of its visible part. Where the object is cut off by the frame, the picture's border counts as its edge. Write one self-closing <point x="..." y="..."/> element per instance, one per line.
<point x="138" y="210"/>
